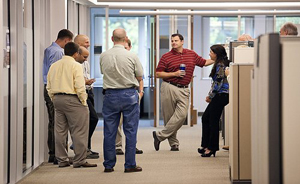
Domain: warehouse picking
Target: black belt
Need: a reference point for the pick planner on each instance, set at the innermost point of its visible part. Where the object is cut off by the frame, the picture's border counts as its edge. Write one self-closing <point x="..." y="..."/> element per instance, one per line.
<point x="65" y="94"/>
<point x="178" y="85"/>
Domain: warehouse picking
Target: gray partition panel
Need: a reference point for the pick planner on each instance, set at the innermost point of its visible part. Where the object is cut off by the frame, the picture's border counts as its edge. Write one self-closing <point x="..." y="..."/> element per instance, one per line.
<point x="266" y="105"/>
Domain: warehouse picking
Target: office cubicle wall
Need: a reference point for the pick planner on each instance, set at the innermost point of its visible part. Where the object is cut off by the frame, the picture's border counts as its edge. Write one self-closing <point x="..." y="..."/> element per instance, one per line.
<point x="290" y="101"/>
<point x="265" y="108"/>
<point x="240" y="123"/>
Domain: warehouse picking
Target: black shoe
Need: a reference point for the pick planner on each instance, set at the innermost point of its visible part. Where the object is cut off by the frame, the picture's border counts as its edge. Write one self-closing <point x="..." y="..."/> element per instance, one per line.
<point x="94" y="152"/>
<point x="85" y="165"/>
<point x="119" y="152"/>
<point x="55" y="162"/>
<point x="108" y="169"/>
<point x="174" y="148"/>
<point x="51" y="159"/>
<point x="135" y="169"/>
<point x="90" y="155"/>
<point x="64" y="165"/>
<point x="137" y="151"/>
<point x="201" y="150"/>
<point x="156" y="141"/>
<point x="209" y="154"/>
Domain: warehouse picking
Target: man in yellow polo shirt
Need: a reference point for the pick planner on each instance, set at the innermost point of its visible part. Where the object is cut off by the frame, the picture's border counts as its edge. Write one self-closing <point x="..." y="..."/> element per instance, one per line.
<point x="66" y="88"/>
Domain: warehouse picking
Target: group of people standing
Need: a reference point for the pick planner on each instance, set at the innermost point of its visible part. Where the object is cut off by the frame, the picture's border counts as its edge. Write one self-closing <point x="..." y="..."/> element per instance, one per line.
<point x="69" y="98"/>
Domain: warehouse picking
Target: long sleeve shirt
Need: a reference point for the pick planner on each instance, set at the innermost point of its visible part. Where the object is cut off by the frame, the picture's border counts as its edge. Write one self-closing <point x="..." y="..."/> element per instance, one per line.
<point x="66" y="76"/>
<point x="51" y="54"/>
<point x="220" y="82"/>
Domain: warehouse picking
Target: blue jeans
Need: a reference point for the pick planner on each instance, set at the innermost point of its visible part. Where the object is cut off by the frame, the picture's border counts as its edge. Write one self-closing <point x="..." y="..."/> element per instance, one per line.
<point x="116" y="101"/>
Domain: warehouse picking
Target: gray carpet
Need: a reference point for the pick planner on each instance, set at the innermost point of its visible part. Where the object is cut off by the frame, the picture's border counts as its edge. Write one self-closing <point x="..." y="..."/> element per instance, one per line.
<point x="163" y="166"/>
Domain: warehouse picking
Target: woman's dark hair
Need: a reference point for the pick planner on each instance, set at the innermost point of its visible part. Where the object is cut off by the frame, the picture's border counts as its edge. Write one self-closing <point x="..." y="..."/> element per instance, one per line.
<point x="220" y="51"/>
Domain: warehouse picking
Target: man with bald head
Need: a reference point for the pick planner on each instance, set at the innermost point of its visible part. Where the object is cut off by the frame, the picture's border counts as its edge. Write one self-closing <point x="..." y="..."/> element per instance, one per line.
<point x="84" y="42"/>
<point x="122" y="73"/>
<point x="288" y="29"/>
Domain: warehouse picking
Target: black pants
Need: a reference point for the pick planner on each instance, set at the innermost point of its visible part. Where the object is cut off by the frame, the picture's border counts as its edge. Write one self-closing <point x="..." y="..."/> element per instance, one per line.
<point x="93" y="115"/>
<point x="210" y="121"/>
<point x="50" y="108"/>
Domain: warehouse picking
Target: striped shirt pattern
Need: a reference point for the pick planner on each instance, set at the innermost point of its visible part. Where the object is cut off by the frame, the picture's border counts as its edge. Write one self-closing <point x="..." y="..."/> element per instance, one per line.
<point x="171" y="61"/>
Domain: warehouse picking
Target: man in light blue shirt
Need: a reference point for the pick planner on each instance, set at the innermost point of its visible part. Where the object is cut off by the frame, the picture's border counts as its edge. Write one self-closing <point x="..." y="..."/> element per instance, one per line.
<point x="52" y="54"/>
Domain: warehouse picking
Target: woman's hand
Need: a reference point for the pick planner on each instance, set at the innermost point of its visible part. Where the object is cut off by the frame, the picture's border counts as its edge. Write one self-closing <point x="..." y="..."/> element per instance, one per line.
<point x="208" y="100"/>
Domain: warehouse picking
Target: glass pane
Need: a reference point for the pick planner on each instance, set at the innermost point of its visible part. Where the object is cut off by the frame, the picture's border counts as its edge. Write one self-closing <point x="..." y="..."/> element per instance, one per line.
<point x="221" y="28"/>
<point x="280" y="21"/>
<point x="136" y="28"/>
<point x="216" y="30"/>
<point x="27" y="84"/>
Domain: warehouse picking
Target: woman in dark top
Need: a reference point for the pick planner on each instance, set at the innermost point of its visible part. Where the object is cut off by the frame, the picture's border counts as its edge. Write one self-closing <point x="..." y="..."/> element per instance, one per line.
<point x="217" y="98"/>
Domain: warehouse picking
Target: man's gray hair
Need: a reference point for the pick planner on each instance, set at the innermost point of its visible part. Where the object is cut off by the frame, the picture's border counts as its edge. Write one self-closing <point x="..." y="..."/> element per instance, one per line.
<point x="290" y="28"/>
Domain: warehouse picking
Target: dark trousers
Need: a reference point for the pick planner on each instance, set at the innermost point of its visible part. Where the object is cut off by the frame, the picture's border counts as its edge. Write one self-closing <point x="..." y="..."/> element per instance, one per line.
<point x="93" y="115"/>
<point x="50" y="108"/>
<point x="210" y="121"/>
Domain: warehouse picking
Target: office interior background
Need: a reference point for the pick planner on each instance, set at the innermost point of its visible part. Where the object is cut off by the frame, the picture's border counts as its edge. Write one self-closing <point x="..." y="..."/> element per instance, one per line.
<point x="27" y="27"/>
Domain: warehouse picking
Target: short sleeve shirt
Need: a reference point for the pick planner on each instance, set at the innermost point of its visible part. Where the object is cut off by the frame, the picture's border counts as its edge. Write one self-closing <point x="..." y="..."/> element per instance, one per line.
<point x="171" y="61"/>
<point x="120" y="68"/>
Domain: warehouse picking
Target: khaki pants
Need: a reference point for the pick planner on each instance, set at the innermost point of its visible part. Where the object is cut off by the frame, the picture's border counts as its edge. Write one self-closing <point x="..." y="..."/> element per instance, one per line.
<point x="70" y="115"/>
<point x="175" y="103"/>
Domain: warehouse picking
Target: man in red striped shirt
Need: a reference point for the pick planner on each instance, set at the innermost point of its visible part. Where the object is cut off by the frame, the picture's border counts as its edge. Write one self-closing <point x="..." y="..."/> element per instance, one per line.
<point x="174" y="89"/>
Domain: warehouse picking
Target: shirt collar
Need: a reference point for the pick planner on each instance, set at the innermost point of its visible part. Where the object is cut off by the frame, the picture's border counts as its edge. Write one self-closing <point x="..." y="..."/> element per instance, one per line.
<point x="68" y="58"/>
<point x="56" y="45"/>
<point x="175" y="52"/>
<point x="119" y="46"/>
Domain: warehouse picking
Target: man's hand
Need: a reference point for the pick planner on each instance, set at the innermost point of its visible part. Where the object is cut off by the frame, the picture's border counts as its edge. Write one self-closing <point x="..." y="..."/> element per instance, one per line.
<point x="89" y="81"/>
<point x="141" y="94"/>
<point x="208" y="100"/>
<point x="180" y="73"/>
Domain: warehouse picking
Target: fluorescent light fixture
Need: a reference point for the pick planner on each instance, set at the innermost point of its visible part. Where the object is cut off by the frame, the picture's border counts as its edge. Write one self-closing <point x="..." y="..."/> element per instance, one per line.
<point x="212" y="13"/>
<point x="202" y="6"/>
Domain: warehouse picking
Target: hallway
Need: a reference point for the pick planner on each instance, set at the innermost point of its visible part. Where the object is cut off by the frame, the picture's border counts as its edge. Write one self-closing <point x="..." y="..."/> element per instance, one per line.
<point x="163" y="166"/>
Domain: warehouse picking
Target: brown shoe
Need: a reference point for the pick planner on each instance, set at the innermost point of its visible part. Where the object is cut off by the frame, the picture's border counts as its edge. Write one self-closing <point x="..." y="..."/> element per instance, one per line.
<point x="225" y="147"/>
<point x="108" y="169"/>
<point x="174" y="148"/>
<point x="85" y="165"/>
<point x="135" y="169"/>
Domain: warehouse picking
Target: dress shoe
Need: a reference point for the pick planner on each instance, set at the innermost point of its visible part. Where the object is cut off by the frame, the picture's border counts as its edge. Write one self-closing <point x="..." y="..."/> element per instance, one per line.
<point x="94" y="152"/>
<point x="51" y="159"/>
<point x="91" y="155"/>
<point x="156" y="141"/>
<point x="55" y="162"/>
<point x="201" y="150"/>
<point x="119" y="152"/>
<point x="108" y="169"/>
<point x="65" y="164"/>
<point x="85" y="165"/>
<point x="135" y="169"/>
<point x="225" y="147"/>
<point x="137" y="151"/>
<point x="205" y="154"/>
<point x="174" y="148"/>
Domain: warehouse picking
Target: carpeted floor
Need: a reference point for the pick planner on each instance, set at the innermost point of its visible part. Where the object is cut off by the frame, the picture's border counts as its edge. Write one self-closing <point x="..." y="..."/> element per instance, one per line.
<point x="164" y="167"/>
